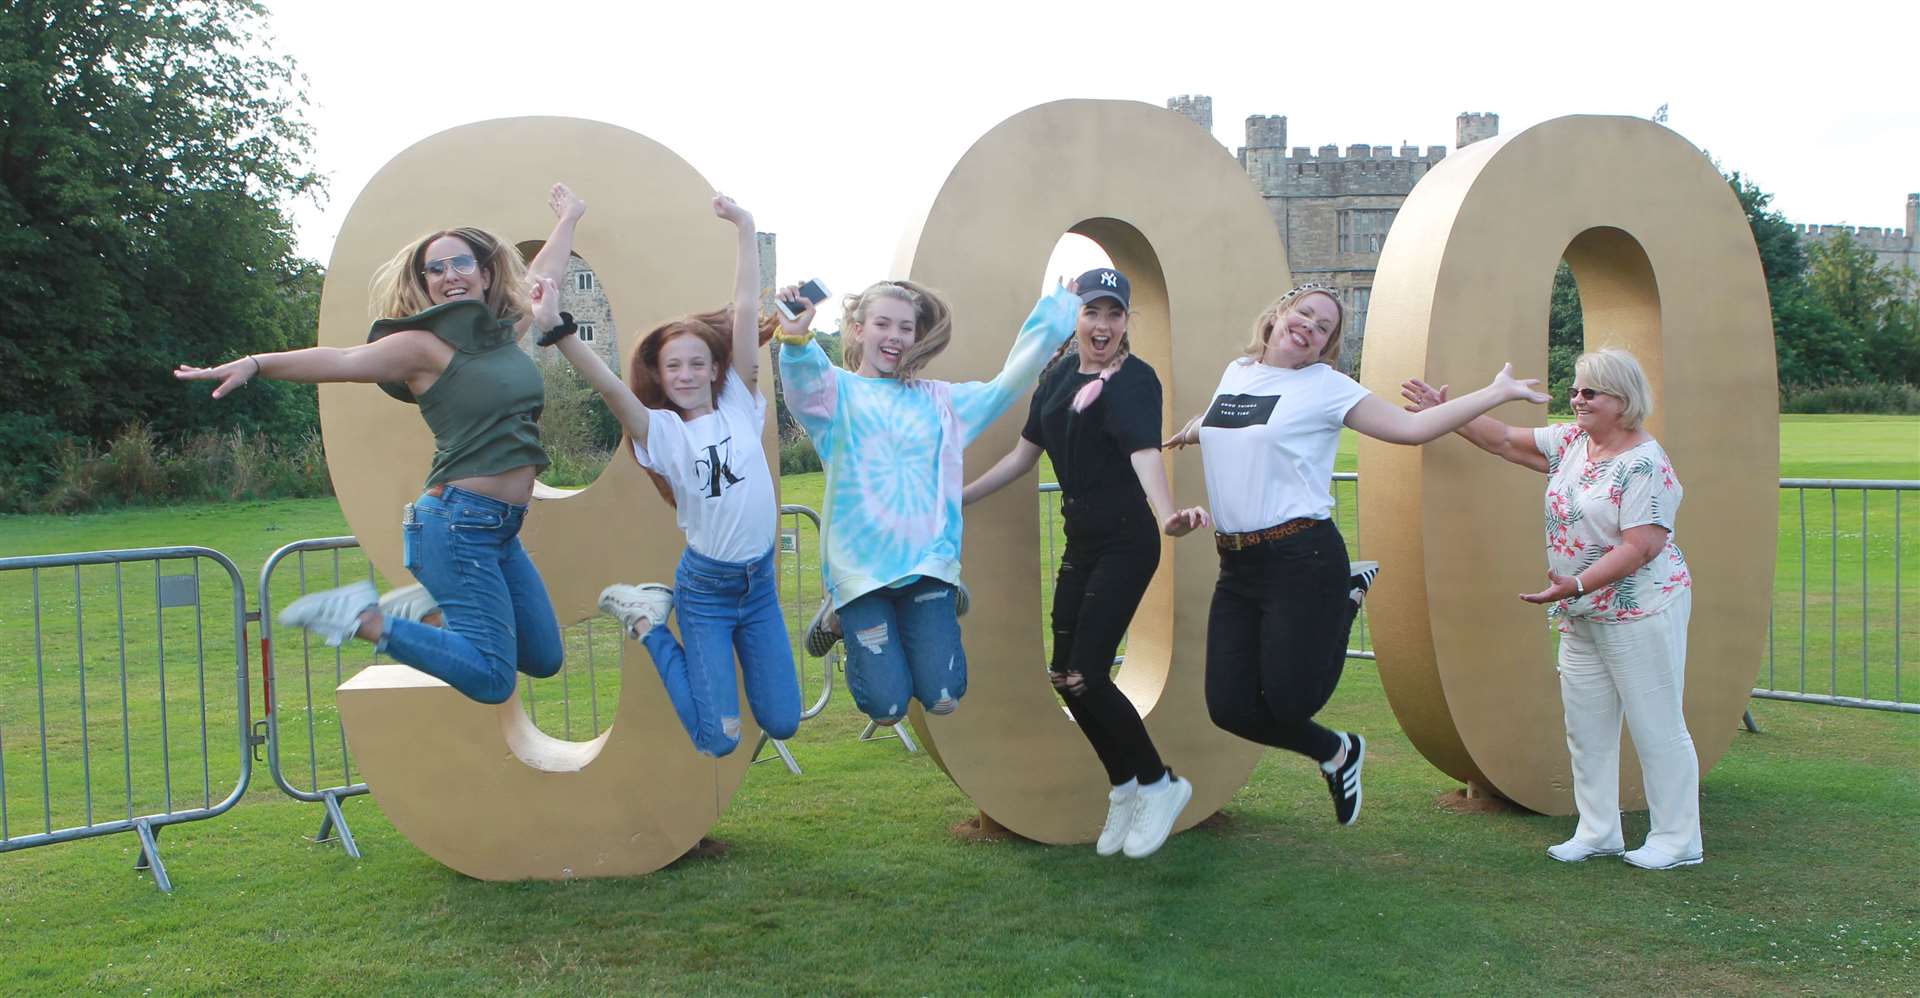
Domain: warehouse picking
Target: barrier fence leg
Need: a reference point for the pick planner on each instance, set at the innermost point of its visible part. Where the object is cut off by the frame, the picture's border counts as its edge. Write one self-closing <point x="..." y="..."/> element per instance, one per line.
<point x="897" y="730"/>
<point x="785" y="755"/>
<point x="336" y="821"/>
<point x="1747" y="719"/>
<point x="150" y="855"/>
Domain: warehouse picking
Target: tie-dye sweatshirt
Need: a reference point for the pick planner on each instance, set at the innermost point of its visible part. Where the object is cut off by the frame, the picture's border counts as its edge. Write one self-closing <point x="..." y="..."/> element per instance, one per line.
<point x="892" y="449"/>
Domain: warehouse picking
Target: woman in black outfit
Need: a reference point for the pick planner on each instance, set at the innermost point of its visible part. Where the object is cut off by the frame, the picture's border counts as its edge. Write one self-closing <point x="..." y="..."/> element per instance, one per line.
<point x="1096" y="413"/>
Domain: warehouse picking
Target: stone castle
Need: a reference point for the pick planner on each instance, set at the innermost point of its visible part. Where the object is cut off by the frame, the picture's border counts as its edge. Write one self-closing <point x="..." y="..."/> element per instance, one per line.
<point x="1334" y="209"/>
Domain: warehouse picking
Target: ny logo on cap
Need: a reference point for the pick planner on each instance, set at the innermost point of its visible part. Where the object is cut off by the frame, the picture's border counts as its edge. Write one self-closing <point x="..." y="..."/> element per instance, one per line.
<point x="1110" y="279"/>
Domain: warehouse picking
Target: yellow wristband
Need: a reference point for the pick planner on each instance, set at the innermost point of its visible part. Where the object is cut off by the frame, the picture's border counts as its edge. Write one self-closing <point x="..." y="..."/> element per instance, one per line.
<point x="798" y="339"/>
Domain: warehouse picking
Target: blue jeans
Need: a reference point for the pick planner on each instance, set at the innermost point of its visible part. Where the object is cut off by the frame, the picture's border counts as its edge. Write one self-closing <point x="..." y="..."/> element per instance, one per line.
<point x="903" y="643"/>
<point x="727" y="607"/>
<point x="465" y="548"/>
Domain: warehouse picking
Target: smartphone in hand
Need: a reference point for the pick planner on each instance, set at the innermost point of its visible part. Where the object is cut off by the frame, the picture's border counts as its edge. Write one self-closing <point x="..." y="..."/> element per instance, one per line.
<point x="813" y="291"/>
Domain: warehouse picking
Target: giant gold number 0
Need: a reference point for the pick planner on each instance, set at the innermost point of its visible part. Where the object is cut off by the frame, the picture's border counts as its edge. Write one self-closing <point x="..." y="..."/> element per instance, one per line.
<point x="1176" y="214"/>
<point x="1667" y="268"/>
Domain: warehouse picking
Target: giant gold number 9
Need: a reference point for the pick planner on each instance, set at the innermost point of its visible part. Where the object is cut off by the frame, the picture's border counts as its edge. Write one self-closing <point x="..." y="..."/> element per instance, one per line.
<point x="478" y="787"/>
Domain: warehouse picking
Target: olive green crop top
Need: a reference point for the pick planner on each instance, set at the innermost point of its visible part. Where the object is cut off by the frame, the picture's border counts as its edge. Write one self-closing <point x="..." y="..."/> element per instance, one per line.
<point x="485" y="408"/>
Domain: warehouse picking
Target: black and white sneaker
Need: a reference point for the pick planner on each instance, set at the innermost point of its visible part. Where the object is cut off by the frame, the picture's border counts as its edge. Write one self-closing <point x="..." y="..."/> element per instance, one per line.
<point x="824" y="631"/>
<point x="1343" y="781"/>
<point x="1360" y="579"/>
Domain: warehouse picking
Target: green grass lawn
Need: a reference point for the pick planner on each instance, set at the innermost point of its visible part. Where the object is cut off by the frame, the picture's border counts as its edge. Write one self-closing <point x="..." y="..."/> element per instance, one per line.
<point x="847" y="880"/>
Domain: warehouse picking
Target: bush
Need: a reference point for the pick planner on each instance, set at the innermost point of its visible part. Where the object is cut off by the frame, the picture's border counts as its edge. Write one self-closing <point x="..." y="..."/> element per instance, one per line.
<point x="138" y="469"/>
<point x="797" y="456"/>
<point x="1867" y="397"/>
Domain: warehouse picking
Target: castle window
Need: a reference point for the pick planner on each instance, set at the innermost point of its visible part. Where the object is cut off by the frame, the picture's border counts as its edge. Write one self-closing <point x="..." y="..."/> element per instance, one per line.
<point x="586" y="329"/>
<point x="1364" y="230"/>
<point x="583" y="280"/>
<point x="1357" y="306"/>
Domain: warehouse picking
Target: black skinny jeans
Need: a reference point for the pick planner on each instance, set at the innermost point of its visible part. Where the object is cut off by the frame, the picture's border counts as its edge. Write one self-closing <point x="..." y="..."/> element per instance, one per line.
<point x="1111" y="556"/>
<point x="1277" y="639"/>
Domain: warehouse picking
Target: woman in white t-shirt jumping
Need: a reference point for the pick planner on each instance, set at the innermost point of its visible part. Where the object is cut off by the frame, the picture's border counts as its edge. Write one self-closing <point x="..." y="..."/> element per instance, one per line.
<point x="694" y="412"/>
<point x="1286" y="599"/>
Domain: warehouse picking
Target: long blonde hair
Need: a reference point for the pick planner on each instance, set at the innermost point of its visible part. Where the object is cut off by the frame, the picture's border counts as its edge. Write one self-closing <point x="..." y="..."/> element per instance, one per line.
<point x="932" y="324"/>
<point x="399" y="287"/>
<point x="1270" y="317"/>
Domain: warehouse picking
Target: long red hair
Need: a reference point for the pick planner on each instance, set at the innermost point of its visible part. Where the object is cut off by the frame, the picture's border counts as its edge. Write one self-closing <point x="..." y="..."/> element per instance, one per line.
<point x="715" y="329"/>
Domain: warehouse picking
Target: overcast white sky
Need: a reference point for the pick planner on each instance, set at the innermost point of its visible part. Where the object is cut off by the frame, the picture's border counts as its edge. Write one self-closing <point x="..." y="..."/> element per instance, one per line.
<point x="815" y="114"/>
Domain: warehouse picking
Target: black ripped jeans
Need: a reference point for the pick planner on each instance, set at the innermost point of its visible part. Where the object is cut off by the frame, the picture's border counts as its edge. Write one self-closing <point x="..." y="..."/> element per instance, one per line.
<point x="1277" y="639"/>
<point x="1111" y="556"/>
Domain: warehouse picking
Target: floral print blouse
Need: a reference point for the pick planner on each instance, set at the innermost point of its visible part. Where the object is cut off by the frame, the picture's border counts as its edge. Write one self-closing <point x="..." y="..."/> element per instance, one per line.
<point x="1589" y="506"/>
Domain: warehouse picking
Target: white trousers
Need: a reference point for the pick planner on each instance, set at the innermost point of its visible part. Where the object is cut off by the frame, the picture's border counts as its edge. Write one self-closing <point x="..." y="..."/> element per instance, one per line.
<point x="1640" y="667"/>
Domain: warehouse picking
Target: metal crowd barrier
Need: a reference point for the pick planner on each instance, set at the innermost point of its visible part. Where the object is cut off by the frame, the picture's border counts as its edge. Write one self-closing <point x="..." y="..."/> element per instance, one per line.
<point x="321" y="717"/>
<point x="1797" y="641"/>
<point x="71" y="700"/>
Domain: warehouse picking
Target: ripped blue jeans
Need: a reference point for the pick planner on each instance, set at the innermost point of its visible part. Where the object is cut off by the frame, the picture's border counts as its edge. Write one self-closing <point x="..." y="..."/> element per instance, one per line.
<point x="727" y="608"/>
<point x="904" y="643"/>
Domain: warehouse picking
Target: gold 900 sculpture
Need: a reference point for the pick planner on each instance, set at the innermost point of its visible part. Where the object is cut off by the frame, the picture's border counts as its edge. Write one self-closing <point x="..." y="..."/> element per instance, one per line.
<point x="481" y="790"/>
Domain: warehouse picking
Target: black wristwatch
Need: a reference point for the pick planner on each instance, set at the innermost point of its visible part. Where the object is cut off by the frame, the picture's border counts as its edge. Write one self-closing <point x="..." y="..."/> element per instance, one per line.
<point x="566" y="328"/>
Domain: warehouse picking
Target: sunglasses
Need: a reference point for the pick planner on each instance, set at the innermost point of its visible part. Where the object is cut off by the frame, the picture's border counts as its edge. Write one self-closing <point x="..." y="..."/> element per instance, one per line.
<point x="463" y="264"/>
<point x="1585" y="394"/>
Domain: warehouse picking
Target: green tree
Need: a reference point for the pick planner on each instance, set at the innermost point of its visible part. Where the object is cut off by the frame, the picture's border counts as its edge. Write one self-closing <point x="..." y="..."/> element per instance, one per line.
<point x="148" y="152"/>
<point x="1874" y="306"/>
<point x="1566" y="337"/>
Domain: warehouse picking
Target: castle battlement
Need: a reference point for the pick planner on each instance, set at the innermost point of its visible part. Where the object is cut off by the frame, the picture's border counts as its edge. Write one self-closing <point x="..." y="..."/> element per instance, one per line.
<point x="1870" y="236"/>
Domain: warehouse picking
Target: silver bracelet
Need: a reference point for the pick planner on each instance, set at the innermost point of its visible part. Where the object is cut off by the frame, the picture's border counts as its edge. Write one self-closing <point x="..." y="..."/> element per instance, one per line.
<point x="1579" y="588"/>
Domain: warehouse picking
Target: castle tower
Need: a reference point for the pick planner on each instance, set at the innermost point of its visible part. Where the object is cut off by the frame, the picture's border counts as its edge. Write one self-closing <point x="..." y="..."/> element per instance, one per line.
<point x="1913" y="216"/>
<point x="1198" y="107"/>
<point x="1472" y="126"/>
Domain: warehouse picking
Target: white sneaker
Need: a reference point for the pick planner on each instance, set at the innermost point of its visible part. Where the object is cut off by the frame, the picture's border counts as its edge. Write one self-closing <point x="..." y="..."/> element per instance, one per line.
<point x="1154" y="815"/>
<point x="1121" y="807"/>
<point x="334" y="614"/>
<point x="1649" y="858"/>
<point x="1572" y="851"/>
<point x="639" y="607"/>
<point x="408" y="603"/>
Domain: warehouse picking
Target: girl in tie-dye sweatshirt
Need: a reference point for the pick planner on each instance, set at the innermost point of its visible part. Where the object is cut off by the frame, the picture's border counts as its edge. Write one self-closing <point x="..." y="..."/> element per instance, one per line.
<point x="891" y="443"/>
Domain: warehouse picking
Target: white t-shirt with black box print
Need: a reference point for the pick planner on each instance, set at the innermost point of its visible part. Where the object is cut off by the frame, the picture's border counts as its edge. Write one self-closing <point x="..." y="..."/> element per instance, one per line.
<point x="722" y="489"/>
<point x="1268" y="442"/>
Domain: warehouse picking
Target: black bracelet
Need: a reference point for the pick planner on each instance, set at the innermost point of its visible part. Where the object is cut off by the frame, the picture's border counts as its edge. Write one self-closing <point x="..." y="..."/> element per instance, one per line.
<point x="566" y="328"/>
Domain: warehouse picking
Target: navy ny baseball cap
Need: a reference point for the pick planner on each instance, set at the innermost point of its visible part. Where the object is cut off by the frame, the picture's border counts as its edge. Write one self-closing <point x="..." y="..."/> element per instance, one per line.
<point x="1105" y="282"/>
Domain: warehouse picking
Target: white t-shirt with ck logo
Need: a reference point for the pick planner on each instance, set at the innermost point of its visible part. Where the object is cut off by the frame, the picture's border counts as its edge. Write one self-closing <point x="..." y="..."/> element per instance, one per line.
<point x="1268" y="442"/>
<point x="721" y="485"/>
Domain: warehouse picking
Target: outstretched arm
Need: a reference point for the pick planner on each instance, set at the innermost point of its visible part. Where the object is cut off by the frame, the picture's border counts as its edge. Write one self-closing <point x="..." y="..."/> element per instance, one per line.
<point x="1020" y="460"/>
<point x="1513" y="443"/>
<point x="977" y="404"/>
<point x="746" y="292"/>
<point x="1376" y="418"/>
<point x="1153" y="480"/>
<point x="619" y="398"/>
<point x="551" y="262"/>
<point x="397" y="357"/>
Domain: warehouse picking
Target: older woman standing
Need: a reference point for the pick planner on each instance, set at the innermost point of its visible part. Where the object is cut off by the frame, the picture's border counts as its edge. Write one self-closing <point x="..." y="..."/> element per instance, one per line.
<point x="1621" y="593"/>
